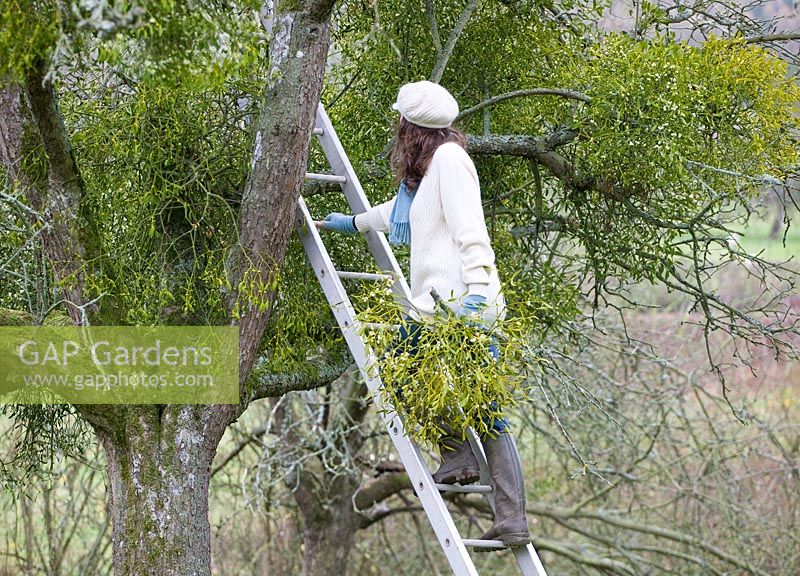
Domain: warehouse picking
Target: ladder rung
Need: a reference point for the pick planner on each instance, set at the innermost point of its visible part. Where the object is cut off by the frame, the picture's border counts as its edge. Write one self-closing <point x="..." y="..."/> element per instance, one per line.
<point x="483" y="543"/>
<point x="363" y="275"/>
<point x="470" y="489"/>
<point x="318" y="131"/>
<point x="326" y="177"/>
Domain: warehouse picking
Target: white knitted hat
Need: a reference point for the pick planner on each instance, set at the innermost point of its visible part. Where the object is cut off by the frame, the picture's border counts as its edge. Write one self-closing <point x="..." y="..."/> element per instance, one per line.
<point x="426" y="104"/>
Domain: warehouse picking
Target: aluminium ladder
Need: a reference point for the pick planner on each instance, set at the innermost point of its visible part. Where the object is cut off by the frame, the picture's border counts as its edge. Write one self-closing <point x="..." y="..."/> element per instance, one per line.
<point x="429" y="493"/>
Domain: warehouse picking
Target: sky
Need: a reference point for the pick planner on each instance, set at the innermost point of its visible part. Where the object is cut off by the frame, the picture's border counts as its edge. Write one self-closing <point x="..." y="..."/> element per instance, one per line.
<point x="619" y="17"/>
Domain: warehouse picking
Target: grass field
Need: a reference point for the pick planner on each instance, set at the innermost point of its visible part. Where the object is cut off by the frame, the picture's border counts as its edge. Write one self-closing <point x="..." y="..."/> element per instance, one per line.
<point x="756" y="238"/>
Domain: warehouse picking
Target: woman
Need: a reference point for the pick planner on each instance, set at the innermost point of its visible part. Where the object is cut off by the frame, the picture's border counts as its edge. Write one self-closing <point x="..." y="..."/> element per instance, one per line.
<point x="438" y="211"/>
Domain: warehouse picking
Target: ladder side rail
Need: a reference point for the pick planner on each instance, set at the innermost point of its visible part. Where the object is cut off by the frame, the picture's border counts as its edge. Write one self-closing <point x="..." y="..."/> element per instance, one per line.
<point x="430" y="498"/>
<point x="528" y="561"/>
<point x="358" y="202"/>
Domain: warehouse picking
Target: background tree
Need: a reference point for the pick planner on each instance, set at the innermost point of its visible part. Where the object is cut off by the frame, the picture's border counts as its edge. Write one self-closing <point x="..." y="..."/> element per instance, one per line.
<point x="612" y="162"/>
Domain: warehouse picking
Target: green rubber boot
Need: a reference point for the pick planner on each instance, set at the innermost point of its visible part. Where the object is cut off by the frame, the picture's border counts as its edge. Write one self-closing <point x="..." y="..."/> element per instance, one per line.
<point x="510" y="523"/>
<point x="459" y="465"/>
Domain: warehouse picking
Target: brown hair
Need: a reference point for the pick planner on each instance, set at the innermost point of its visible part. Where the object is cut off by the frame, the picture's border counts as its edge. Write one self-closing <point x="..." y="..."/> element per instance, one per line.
<point x="413" y="149"/>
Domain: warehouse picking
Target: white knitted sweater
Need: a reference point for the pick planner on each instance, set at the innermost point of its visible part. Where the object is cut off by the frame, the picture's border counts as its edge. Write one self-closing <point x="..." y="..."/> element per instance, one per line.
<point x="450" y="247"/>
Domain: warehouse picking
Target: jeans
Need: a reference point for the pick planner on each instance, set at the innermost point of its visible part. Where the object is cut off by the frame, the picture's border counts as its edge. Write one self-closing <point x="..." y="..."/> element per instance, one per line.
<point x="408" y="341"/>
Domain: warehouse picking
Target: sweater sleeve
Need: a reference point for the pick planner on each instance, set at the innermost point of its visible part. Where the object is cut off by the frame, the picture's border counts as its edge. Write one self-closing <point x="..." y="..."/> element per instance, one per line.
<point x="376" y="218"/>
<point x="461" y="203"/>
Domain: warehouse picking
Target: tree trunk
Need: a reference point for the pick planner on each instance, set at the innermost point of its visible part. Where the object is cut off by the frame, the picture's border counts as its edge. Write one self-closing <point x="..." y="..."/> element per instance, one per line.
<point x="298" y="52"/>
<point x="159" y="466"/>
<point x="159" y="457"/>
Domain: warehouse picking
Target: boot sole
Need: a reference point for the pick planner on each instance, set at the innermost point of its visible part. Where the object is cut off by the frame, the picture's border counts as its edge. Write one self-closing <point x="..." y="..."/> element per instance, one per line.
<point x="511" y="540"/>
<point x="516" y="539"/>
<point x="463" y="477"/>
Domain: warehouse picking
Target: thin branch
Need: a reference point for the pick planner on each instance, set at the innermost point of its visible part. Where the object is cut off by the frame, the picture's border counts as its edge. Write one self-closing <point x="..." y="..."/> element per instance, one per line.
<point x="441" y="62"/>
<point x="568" y="94"/>
<point x="430" y="12"/>
<point x="250" y="437"/>
<point x="25" y="208"/>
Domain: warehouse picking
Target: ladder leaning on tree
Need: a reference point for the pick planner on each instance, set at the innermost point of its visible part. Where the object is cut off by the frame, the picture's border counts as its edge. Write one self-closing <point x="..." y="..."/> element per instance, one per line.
<point x="453" y="545"/>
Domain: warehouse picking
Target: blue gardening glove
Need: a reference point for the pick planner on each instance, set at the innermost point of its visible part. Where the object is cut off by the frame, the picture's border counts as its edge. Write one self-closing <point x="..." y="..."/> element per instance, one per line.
<point x="339" y="222"/>
<point x="473" y="304"/>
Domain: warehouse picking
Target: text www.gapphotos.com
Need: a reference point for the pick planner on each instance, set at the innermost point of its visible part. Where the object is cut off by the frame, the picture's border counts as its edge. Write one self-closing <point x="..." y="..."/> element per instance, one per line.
<point x="119" y="380"/>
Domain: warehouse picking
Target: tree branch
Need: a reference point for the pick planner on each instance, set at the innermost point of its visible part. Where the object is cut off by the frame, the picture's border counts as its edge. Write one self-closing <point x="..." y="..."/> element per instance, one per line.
<point x="455" y="33"/>
<point x="60" y="197"/>
<point x="772" y="38"/>
<point x="540" y="148"/>
<point x="381" y="488"/>
<point x="271" y="384"/>
<point x="250" y="437"/>
<point x="569" y="94"/>
<point x="430" y="12"/>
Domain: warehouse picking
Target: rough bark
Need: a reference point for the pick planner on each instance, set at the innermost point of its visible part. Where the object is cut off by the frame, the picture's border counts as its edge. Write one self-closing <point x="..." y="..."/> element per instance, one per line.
<point x="10" y="128"/>
<point x="159" y="466"/>
<point x="298" y="50"/>
<point x="541" y="148"/>
<point x="59" y="199"/>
